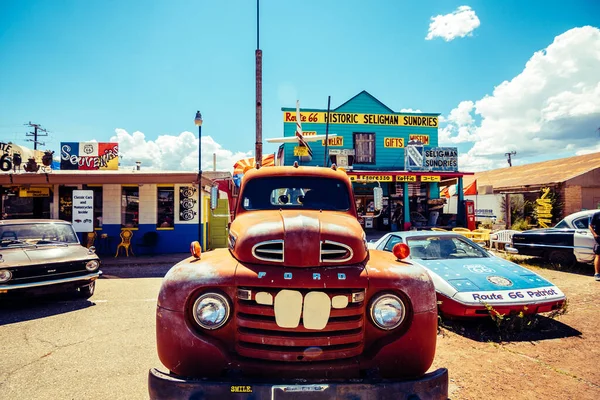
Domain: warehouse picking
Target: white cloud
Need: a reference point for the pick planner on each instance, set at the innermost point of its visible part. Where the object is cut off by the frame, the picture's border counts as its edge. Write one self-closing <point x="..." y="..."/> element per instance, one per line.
<point x="552" y="106"/>
<point x="410" y="110"/>
<point x="173" y="153"/>
<point x="460" y="23"/>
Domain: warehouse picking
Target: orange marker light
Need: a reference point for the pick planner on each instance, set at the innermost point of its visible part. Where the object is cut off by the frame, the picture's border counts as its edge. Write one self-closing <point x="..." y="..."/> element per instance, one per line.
<point x="195" y="249"/>
<point x="401" y="251"/>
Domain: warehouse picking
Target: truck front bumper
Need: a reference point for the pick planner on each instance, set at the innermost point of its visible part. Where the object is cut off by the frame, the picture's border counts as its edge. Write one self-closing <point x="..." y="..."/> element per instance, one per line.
<point x="433" y="385"/>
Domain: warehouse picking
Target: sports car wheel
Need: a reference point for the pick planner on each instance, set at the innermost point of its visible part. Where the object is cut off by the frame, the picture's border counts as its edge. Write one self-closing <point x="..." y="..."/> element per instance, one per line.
<point x="87" y="291"/>
<point x="562" y="258"/>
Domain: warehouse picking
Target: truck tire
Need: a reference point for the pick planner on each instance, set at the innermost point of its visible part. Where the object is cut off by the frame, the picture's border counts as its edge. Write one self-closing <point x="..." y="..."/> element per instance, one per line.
<point x="563" y="258"/>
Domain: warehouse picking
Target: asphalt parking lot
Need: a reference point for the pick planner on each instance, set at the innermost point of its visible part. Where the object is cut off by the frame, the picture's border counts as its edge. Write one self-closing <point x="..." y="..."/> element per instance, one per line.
<point x="64" y="348"/>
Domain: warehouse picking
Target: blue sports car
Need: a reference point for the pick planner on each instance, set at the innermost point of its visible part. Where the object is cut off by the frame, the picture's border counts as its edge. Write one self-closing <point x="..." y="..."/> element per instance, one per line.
<point x="468" y="278"/>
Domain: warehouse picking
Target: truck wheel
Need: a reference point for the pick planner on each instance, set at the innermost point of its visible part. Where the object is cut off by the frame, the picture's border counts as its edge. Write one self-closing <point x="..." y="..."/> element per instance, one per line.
<point x="562" y="258"/>
<point x="87" y="291"/>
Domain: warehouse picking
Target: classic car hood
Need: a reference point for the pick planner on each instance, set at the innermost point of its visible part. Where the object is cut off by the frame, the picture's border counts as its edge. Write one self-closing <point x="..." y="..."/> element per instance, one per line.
<point x="298" y="238"/>
<point x="471" y="274"/>
<point x="44" y="254"/>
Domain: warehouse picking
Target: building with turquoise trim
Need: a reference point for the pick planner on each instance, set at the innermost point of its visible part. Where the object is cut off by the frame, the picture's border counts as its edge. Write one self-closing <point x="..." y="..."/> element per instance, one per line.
<point x="379" y="147"/>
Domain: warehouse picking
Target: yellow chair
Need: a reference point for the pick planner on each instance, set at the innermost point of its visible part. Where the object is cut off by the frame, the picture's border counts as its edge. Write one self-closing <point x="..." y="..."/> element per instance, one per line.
<point x="459" y="229"/>
<point x="482" y="236"/>
<point x="438" y="229"/>
<point x="126" y="236"/>
<point x="90" y="239"/>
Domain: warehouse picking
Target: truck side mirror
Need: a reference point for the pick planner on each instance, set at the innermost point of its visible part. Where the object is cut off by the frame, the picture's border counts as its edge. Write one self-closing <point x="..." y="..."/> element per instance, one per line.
<point x="378" y="198"/>
<point x="214" y="197"/>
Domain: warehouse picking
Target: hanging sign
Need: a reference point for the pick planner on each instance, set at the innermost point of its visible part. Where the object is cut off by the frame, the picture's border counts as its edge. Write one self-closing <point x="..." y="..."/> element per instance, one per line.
<point x="431" y="178"/>
<point x="406" y="178"/>
<point x="34" y="192"/>
<point x="371" y="178"/>
<point x="83" y="210"/>
<point x="300" y="151"/>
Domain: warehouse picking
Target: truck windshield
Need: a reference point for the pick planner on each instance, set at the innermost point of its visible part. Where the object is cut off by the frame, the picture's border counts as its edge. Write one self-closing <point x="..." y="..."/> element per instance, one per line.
<point x="308" y="193"/>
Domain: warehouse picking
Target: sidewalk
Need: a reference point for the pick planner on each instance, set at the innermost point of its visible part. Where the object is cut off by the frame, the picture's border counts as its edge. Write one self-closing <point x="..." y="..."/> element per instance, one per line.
<point x="108" y="260"/>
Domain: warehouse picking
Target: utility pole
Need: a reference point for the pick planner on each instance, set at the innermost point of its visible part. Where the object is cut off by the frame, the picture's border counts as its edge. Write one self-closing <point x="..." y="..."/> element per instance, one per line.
<point x="36" y="129"/>
<point x="512" y="153"/>
<point x="258" y="148"/>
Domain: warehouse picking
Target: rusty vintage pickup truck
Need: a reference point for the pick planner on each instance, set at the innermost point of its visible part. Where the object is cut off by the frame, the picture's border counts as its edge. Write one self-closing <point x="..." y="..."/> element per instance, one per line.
<point x="297" y="306"/>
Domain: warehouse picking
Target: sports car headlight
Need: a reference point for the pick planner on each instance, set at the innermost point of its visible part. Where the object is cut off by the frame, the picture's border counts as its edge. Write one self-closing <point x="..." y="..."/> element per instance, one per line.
<point x="211" y="311"/>
<point x="92" y="265"/>
<point x="5" y="275"/>
<point x="387" y="311"/>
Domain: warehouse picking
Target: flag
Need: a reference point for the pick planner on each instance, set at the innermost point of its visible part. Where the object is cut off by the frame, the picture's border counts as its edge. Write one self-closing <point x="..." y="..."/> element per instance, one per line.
<point x="471" y="189"/>
<point x="301" y="141"/>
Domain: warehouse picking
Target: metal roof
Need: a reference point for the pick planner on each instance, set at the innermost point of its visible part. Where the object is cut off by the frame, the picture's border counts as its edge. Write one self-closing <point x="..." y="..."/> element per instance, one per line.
<point x="536" y="174"/>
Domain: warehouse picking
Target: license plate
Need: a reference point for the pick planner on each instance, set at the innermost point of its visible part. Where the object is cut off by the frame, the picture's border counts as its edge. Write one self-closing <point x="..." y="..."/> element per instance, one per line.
<point x="316" y="391"/>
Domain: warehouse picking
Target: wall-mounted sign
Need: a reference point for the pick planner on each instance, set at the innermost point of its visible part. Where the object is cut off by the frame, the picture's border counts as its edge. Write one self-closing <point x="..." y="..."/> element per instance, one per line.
<point x="431" y="178"/>
<point x="424" y="139"/>
<point x="337" y="141"/>
<point x="89" y="155"/>
<point x="34" y="192"/>
<point x="300" y="151"/>
<point x="187" y="203"/>
<point x="371" y="178"/>
<point x="406" y="178"/>
<point x="544" y="209"/>
<point x="83" y="210"/>
<point x="419" y="158"/>
<point x="342" y="152"/>
<point x="396" y="143"/>
<point x="424" y="121"/>
<point x="310" y="133"/>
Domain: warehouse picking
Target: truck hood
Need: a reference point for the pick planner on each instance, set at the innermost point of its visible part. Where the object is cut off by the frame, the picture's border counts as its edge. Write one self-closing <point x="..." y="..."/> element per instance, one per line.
<point x="298" y="238"/>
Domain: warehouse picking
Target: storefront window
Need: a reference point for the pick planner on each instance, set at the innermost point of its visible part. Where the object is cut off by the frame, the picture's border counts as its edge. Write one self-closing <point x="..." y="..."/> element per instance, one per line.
<point x="97" y="205"/>
<point x="165" y="207"/>
<point x="364" y="145"/>
<point x="33" y="202"/>
<point x="65" y="203"/>
<point x="130" y="206"/>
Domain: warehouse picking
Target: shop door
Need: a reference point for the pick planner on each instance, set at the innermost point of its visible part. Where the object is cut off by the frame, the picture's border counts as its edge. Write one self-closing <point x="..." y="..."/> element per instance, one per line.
<point x="217" y="225"/>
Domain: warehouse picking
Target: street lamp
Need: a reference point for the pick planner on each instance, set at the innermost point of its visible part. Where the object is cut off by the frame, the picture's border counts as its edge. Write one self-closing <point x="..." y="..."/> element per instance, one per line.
<point x="198" y="122"/>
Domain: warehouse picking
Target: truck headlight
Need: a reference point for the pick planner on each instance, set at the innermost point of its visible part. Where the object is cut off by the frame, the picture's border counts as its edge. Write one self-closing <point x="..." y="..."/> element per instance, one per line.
<point x="211" y="310"/>
<point x="387" y="311"/>
<point x="92" y="265"/>
<point x="5" y="275"/>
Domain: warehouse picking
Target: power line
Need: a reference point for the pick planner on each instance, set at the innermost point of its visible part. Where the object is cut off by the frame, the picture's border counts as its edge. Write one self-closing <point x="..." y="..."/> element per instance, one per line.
<point x="37" y="128"/>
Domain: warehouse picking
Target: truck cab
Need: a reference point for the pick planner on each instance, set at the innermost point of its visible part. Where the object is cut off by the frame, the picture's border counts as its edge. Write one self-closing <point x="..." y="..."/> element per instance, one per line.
<point x="297" y="303"/>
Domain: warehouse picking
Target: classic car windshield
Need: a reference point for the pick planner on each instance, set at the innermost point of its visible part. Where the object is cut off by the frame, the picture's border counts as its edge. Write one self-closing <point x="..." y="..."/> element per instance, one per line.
<point x="296" y="193"/>
<point x="36" y="234"/>
<point x="443" y="247"/>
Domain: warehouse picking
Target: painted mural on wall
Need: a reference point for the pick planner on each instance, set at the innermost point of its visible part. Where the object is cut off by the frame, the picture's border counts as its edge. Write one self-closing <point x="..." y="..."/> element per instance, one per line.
<point x="89" y="156"/>
<point x="187" y="203"/>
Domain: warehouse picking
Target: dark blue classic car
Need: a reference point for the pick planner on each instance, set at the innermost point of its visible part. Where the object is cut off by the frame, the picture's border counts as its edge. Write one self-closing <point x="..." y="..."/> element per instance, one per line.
<point x="569" y="242"/>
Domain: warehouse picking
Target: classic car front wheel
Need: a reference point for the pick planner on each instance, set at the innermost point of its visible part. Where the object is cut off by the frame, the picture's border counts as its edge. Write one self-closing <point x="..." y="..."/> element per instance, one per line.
<point x="562" y="258"/>
<point x="88" y="290"/>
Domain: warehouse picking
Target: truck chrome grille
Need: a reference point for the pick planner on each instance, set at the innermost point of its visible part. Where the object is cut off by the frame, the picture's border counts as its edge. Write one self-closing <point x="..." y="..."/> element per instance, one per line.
<point x="335" y="252"/>
<point x="259" y="336"/>
<point x="271" y="250"/>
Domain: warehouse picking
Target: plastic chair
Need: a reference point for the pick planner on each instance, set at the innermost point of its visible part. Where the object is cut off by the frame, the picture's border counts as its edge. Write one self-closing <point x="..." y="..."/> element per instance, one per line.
<point x="501" y="237"/>
<point x="438" y="229"/>
<point x="126" y="236"/>
<point x="459" y="229"/>
<point x="90" y="239"/>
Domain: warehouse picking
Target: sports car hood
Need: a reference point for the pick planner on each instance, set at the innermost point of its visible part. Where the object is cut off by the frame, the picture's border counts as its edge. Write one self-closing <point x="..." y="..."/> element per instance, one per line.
<point x="298" y="238"/>
<point x="44" y="254"/>
<point x="485" y="274"/>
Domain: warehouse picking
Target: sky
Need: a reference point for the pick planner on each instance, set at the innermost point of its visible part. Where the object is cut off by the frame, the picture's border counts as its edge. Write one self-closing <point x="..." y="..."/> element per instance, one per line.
<point x="504" y="75"/>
